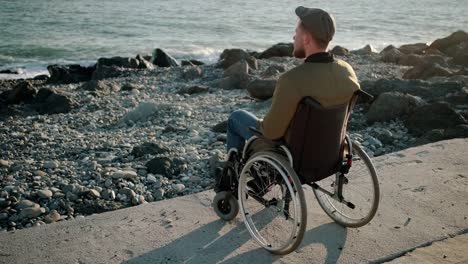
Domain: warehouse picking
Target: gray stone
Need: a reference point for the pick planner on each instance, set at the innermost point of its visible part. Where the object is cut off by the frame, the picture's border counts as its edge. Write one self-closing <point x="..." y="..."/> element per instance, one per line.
<point x="231" y="56"/>
<point x="179" y="188"/>
<point x="261" y="89"/>
<point x="162" y="59"/>
<point x="44" y="194"/>
<point x="50" y="165"/>
<point x="340" y="51"/>
<point x="102" y="86"/>
<point x="128" y="175"/>
<point x="169" y="167"/>
<point x="26" y="204"/>
<point x="94" y="194"/>
<point x="190" y="73"/>
<point x="433" y="116"/>
<point x="52" y="217"/>
<point x="31" y="212"/>
<point x="194" y="90"/>
<point x="151" y="179"/>
<point x="149" y="148"/>
<point x="278" y="50"/>
<point x="389" y="106"/>
<point x="4" y="163"/>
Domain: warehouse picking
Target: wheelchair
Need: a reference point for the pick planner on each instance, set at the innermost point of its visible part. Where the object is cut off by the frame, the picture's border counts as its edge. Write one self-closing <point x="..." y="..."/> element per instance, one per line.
<point x="265" y="181"/>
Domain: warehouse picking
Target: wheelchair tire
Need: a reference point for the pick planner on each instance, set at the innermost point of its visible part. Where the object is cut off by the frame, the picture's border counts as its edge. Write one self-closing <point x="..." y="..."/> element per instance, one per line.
<point x="256" y="215"/>
<point x="225" y="209"/>
<point x="362" y="170"/>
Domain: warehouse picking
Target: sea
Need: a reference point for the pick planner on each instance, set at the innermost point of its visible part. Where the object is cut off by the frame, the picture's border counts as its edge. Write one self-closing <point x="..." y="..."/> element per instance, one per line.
<point x="37" y="33"/>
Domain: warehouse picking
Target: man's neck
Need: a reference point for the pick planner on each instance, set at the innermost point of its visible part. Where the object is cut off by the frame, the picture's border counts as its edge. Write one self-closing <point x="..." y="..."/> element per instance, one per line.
<point x="313" y="51"/>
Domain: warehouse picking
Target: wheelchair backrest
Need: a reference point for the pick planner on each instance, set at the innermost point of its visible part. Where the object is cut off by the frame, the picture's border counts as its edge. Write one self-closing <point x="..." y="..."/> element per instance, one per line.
<point x="316" y="137"/>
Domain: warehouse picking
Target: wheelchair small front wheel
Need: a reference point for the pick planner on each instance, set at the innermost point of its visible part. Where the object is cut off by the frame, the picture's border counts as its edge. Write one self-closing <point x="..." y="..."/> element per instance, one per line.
<point x="225" y="205"/>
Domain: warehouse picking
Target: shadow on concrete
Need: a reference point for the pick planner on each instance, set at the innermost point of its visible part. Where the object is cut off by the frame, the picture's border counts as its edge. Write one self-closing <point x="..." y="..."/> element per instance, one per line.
<point x="205" y="245"/>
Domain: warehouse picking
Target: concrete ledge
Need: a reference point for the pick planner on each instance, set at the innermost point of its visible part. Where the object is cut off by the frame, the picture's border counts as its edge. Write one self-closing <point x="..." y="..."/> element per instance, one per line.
<point x="424" y="198"/>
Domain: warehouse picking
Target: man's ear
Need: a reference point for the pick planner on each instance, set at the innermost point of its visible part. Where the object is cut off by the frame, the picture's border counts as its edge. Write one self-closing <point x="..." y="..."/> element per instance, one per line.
<point x="308" y="38"/>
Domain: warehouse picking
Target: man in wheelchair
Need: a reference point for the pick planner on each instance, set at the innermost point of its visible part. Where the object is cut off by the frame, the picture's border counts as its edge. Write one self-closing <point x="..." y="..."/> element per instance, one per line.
<point x="322" y="83"/>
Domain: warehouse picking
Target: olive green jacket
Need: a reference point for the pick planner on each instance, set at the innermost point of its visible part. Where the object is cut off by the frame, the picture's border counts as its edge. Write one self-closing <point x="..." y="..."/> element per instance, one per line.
<point x="331" y="83"/>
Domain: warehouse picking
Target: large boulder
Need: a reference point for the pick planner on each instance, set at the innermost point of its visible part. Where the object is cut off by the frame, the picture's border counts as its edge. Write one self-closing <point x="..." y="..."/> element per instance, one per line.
<point x="426" y="90"/>
<point x="339" y="51"/>
<point x="162" y="59"/>
<point x="417" y="48"/>
<point x="444" y="44"/>
<point x="460" y="54"/>
<point x="427" y="70"/>
<point x="433" y="116"/>
<point x="103" y="87"/>
<point x="278" y="50"/>
<point x="73" y="73"/>
<point x="23" y="92"/>
<point x="392" y="105"/>
<point x="191" y="73"/>
<point x="118" y="61"/>
<point x="415" y="60"/>
<point x="366" y="50"/>
<point x="391" y="54"/>
<point x="458" y="131"/>
<point x="236" y="76"/>
<point x="261" y="89"/>
<point x="50" y="102"/>
<point x="231" y="56"/>
<point x="105" y="72"/>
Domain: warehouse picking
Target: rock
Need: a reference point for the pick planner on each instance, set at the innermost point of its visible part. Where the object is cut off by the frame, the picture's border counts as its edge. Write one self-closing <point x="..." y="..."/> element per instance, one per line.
<point x="216" y="161"/>
<point x="278" y="50"/>
<point x="104" y="72"/>
<point x="194" y="89"/>
<point x="458" y="98"/>
<point x="385" y="136"/>
<point x="74" y="73"/>
<point x="101" y="86"/>
<point x="231" y="56"/>
<point x="141" y="113"/>
<point x="50" y="102"/>
<point x="367" y="50"/>
<point x="426" y="70"/>
<point x="195" y="179"/>
<point x="261" y="89"/>
<point x="460" y="54"/>
<point x="50" y="165"/>
<point x="26" y="204"/>
<point x="94" y="194"/>
<point x="391" y="55"/>
<point x="238" y="69"/>
<point x="192" y="63"/>
<point x="169" y="167"/>
<point x="41" y="77"/>
<point x="415" y="60"/>
<point x="3" y="216"/>
<point x="179" y="188"/>
<point x="273" y="70"/>
<point x="339" y="51"/>
<point x="191" y="73"/>
<point x="431" y="136"/>
<point x="426" y="90"/>
<point x="454" y="39"/>
<point x="162" y="59"/>
<point x="143" y="63"/>
<point x="151" y="179"/>
<point x="4" y="163"/>
<point x="220" y="128"/>
<point x="23" y="92"/>
<point x="131" y="86"/>
<point x="52" y="217"/>
<point x="10" y="71"/>
<point x="417" y="48"/>
<point x="128" y="192"/>
<point x="108" y="195"/>
<point x="31" y="212"/>
<point x="44" y="194"/>
<point x="392" y="105"/>
<point x="433" y="116"/>
<point x="128" y="175"/>
<point x="459" y="131"/>
<point x="149" y="148"/>
<point x="118" y="61"/>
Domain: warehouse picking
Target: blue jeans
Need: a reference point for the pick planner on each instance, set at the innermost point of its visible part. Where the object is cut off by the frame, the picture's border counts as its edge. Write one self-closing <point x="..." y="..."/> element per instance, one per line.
<point x="238" y="129"/>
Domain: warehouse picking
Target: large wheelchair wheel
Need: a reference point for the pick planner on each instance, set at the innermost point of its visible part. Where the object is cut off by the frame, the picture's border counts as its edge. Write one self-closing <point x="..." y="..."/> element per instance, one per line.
<point x="272" y="203"/>
<point x="360" y="188"/>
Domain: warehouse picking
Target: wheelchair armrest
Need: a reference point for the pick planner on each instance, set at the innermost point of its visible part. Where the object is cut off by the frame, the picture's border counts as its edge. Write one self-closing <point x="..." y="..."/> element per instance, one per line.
<point x="259" y="134"/>
<point x="365" y="97"/>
